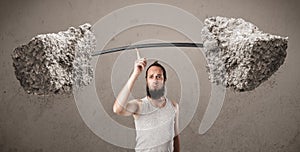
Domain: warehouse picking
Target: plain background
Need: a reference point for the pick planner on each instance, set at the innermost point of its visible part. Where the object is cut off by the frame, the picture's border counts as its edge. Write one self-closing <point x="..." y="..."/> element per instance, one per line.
<point x="265" y="119"/>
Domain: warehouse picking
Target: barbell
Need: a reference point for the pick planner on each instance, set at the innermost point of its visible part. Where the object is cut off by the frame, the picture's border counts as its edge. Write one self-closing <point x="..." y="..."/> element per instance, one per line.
<point x="238" y="54"/>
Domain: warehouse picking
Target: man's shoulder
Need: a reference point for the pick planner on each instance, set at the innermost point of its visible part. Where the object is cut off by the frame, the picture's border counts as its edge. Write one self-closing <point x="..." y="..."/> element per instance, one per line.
<point x="136" y="100"/>
<point x="175" y="104"/>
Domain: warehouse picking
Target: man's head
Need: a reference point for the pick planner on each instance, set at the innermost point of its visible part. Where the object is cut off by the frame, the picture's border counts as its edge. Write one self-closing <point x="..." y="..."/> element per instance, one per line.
<point x="156" y="77"/>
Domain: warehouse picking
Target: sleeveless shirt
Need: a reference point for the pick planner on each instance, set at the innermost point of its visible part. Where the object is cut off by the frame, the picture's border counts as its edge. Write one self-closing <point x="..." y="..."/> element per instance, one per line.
<point x="155" y="127"/>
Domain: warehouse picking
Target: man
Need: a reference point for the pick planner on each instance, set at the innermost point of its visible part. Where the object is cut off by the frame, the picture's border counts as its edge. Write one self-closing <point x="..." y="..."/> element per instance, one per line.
<point x="155" y="116"/>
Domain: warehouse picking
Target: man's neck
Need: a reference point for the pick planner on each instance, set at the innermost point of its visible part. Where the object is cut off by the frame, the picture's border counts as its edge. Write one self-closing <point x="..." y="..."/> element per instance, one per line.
<point x="159" y="103"/>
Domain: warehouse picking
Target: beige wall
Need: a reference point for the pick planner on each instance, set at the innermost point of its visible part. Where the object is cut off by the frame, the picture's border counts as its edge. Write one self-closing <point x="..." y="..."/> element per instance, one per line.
<point x="266" y="119"/>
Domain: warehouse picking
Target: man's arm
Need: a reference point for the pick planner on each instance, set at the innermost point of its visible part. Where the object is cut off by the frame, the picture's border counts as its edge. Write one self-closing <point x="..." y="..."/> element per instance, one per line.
<point x="121" y="105"/>
<point x="176" y="127"/>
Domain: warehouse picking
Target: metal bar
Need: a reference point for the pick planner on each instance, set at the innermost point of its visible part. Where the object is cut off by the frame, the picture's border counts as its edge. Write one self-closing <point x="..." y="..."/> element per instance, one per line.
<point x="149" y="45"/>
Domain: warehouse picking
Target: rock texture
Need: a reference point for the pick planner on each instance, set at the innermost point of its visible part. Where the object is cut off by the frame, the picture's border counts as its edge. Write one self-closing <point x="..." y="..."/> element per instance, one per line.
<point x="55" y="63"/>
<point x="239" y="55"/>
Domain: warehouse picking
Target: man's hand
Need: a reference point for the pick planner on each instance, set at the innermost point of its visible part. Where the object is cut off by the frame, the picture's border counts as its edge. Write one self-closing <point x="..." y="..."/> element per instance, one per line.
<point x="139" y="66"/>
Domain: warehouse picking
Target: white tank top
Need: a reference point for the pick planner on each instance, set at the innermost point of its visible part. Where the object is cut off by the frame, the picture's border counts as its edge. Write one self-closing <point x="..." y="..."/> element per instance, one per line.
<point x="155" y="127"/>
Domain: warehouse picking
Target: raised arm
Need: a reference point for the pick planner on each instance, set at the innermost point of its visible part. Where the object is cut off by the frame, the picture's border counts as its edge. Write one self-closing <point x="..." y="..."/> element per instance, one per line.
<point x="122" y="106"/>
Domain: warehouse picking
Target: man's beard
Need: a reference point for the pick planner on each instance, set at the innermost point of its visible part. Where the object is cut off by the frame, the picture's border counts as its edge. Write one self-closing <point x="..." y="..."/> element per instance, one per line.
<point x="155" y="94"/>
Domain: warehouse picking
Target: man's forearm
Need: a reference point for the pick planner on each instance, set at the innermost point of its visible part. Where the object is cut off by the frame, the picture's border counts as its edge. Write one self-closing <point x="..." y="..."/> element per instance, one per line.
<point x="122" y="98"/>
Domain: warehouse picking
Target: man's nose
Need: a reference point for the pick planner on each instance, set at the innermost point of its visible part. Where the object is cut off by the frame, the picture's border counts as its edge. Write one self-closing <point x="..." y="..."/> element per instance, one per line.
<point x="155" y="82"/>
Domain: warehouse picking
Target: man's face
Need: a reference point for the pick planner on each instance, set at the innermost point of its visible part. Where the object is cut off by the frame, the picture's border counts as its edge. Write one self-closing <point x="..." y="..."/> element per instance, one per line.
<point x="155" y="82"/>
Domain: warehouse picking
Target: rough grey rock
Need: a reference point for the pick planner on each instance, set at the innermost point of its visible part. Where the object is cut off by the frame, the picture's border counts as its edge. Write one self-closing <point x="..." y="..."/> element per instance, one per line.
<point x="239" y="55"/>
<point x="55" y="63"/>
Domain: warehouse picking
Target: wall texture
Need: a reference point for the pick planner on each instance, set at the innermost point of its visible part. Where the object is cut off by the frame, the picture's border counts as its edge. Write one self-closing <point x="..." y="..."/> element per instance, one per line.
<point x="265" y="119"/>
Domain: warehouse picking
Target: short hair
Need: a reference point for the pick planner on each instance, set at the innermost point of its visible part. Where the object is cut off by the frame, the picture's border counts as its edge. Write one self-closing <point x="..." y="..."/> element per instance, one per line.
<point x="158" y="65"/>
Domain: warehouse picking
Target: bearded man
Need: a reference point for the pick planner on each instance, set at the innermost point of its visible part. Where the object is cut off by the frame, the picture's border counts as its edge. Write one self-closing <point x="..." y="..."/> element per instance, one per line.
<point x="155" y="116"/>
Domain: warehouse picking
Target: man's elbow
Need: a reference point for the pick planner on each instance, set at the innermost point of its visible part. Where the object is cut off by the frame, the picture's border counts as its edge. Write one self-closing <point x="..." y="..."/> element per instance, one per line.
<point x="117" y="109"/>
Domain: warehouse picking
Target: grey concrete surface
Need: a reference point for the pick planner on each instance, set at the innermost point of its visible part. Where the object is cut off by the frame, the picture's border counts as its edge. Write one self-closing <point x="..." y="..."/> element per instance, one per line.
<point x="265" y="119"/>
